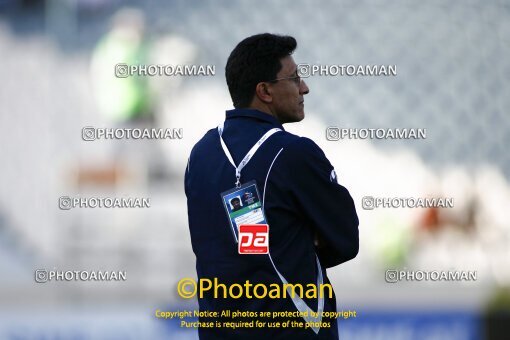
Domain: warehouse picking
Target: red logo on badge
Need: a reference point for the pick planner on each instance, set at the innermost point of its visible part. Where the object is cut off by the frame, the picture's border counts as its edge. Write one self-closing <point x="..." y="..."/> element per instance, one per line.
<point x="253" y="239"/>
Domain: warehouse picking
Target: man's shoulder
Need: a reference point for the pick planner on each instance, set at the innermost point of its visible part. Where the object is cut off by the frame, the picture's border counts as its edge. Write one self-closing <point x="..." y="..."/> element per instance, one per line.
<point x="297" y="147"/>
<point x="207" y="139"/>
<point x="283" y="138"/>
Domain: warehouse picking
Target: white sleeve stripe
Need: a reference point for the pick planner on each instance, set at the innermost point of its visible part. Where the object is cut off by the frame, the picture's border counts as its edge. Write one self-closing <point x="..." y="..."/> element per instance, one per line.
<point x="267" y="176"/>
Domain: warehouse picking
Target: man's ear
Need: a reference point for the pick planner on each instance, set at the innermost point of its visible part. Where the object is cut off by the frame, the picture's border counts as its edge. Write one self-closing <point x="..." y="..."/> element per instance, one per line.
<point x="264" y="92"/>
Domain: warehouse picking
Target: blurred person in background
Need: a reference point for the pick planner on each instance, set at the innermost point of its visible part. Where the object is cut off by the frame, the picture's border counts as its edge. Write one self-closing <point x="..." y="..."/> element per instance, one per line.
<point x="128" y="100"/>
<point x="122" y="97"/>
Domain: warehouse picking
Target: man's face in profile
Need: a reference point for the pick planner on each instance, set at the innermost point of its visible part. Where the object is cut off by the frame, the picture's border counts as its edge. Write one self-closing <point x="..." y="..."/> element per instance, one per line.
<point x="288" y="94"/>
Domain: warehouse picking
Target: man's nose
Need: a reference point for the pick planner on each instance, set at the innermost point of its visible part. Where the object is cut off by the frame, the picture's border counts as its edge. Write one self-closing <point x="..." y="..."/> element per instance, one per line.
<point x="303" y="88"/>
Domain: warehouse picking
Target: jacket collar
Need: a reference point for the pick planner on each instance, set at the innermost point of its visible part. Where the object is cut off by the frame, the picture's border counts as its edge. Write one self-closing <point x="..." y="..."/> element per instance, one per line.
<point x="254" y="114"/>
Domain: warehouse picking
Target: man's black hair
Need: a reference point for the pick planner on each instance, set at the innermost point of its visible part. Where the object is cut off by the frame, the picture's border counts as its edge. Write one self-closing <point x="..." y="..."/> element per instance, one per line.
<point x="235" y="199"/>
<point x="254" y="60"/>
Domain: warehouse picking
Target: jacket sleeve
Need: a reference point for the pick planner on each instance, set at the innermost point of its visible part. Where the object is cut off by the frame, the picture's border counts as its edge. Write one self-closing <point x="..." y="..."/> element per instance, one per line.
<point x="327" y="205"/>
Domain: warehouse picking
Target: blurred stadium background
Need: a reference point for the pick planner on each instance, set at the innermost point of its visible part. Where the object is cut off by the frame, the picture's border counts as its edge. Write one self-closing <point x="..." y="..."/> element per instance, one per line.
<point x="57" y="75"/>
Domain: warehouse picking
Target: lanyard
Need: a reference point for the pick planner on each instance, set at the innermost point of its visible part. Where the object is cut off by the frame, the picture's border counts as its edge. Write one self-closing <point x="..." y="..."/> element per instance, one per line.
<point x="248" y="156"/>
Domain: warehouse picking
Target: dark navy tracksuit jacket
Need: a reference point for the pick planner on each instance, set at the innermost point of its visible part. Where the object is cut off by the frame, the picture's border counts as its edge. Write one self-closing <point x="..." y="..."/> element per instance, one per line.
<point x="302" y="202"/>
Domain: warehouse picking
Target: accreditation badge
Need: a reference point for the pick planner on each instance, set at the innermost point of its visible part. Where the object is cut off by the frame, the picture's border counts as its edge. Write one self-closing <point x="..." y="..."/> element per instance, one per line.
<point x="243" y="206"/>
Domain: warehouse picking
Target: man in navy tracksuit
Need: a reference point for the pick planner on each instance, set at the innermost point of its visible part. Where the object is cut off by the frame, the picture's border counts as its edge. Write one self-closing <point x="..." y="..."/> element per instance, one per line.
<point x="312" y="219"/>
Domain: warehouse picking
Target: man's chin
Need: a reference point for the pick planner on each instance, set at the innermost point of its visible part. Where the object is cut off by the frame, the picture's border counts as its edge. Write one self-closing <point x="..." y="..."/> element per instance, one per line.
<point x="300" y="116"/>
